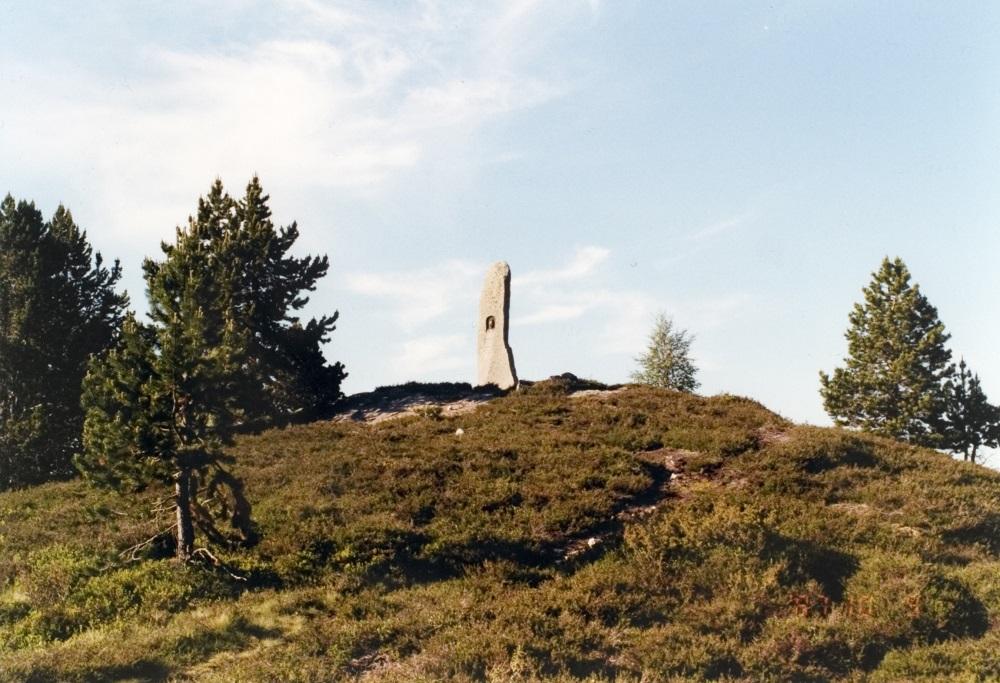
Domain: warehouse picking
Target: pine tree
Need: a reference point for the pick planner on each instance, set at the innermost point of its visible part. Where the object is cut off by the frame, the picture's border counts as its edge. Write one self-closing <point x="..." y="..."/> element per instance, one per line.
<point x="58" y="307"/>
<point x="893" y="382"/>
<point x="667" y="361"/>
<point x="224" y="350"/>
<point x="262" y="287"/>
<point x="163" y="404"/>
<point x="972" y="421"/>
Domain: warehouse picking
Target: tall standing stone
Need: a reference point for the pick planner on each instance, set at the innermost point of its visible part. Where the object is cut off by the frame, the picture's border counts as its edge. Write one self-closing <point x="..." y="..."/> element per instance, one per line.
<point x="496" y="360"/>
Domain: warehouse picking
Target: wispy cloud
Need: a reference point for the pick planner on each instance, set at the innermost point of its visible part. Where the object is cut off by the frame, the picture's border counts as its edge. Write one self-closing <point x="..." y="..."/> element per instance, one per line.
<point x="583" y="263"/>
<point x="418" y="296"/>
<point x="723" y="226"/>
<point x="426" y="355"/>
<point x="552" y="313"/>
<point x="697" y="241"/>
<point x="349" y="99"/>
<point x="574" y="292"/>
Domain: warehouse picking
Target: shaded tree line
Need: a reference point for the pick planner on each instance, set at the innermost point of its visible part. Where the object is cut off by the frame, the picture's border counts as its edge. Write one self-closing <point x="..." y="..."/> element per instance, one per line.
<point x="58" y="307"/>
<point x="86" y="385"/>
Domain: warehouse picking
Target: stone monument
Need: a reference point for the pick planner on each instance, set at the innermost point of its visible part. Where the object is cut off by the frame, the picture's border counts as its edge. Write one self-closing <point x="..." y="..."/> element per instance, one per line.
<point x="496" y="360"/>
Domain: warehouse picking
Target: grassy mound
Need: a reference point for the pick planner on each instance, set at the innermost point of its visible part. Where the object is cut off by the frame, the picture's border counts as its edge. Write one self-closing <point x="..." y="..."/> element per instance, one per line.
<point x="627" y="535"/>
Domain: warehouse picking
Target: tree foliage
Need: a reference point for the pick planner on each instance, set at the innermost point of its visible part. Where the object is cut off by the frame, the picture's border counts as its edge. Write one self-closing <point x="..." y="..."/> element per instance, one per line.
<point x="224" y="350"/>
<point x="162" y="404"/>
<point x="58" y="306"/>
<point x="894" y="379"/>
<point x="261" y="288"/>
<point x="160" y="408"/>
<point x="973" y="422"/>
<point x="667" y="361"/>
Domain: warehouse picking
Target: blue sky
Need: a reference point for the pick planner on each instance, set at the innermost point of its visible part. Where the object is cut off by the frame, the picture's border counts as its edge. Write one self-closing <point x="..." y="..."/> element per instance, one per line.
<point x="741" y="166"/>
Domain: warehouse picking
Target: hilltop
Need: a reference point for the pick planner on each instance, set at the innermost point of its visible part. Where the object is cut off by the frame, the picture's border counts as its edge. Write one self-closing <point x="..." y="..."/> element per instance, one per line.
<point x="612" y="533"/>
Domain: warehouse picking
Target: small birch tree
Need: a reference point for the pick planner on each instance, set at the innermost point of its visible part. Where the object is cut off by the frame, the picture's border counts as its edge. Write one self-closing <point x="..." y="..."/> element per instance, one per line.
<point x="667" y="361"/>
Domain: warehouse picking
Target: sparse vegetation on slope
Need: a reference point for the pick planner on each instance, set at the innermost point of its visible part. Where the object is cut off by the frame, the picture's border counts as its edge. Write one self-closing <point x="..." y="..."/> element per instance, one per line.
<point x="627" y="535"/>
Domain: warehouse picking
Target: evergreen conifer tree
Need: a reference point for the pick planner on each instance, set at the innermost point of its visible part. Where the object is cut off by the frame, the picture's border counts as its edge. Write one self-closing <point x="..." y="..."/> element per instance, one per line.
<point x="894" y="379"/>
<point x="667" y="361"/>
<point x="972" y="421"/>
<point x="162" y="405"/>
<point x="58" y="307"/>
<point x="261" y="289"/>
<point x="224" y="350"/>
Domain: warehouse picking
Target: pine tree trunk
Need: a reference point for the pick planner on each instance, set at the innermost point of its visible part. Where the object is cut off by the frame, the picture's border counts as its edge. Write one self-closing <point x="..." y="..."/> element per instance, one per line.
<point x="185" y="526"/>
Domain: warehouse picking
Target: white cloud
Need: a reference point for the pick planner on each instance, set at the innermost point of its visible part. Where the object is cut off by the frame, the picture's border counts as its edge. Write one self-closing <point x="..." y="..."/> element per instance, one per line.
<point x="418" y="296"/>
<point x="325" y="13"/>
<point x="710" y="313"/>
<point x="626" y="320"/>
<point x="552" y="313"/>
<point x="424" y="356"/>
<point x="722" y="226"/>
<point x="616" y="318"/>
<point x="347" y="99"/>
<point x="584" y="262"/>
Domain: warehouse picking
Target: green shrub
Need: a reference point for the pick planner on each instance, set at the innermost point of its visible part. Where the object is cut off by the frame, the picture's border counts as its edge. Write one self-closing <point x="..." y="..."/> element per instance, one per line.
<point x="983" y="579"/>
<point x="698" y="526"/>
<point x="686" y="651"/>
<point x="801" y="647"/>
<point x="154" y="588"/>
<point x="52" y="573"/>
<point x="962" y="660"/>
<point x="897" y="599"/>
